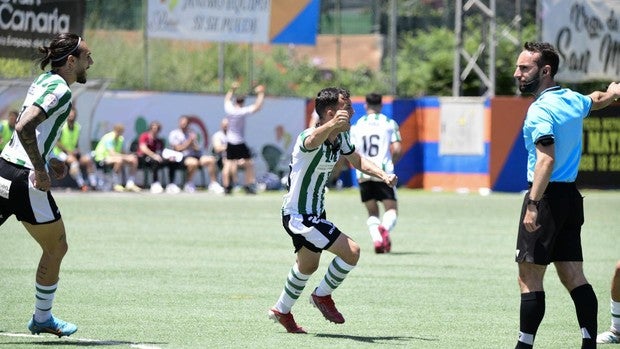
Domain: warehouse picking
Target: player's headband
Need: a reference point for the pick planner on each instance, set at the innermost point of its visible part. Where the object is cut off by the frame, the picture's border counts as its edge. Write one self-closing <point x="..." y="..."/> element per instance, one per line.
<point x="70" y="52"/>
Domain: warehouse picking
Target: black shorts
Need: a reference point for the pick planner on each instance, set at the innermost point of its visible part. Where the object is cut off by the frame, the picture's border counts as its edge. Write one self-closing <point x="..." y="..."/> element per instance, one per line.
<point x="560" y="216"/>
<point x="220" y="160"/>
<point x="193" y="154"/>
<point x="373" y="190"/>
<point x="316" y="233"/>
<point x="237" y="151"/>
<point x="20" y="198"/>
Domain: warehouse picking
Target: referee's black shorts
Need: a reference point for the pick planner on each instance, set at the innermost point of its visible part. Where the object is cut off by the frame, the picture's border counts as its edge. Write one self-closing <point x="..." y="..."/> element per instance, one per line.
<point x="560" y="216"/>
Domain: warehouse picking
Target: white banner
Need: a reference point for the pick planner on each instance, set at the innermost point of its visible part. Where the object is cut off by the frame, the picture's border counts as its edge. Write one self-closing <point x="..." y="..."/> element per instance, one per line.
<point x="586" y="34"/>
<point x="213" y="20"/>
<point x="462" y="126"/>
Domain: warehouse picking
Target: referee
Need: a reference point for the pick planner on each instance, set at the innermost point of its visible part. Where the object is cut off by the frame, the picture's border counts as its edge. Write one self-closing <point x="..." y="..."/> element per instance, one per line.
<point x="552" y="210"/>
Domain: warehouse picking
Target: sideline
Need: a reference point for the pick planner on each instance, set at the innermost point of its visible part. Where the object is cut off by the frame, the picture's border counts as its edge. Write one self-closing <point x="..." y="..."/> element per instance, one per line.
<point x="93" y="342"/>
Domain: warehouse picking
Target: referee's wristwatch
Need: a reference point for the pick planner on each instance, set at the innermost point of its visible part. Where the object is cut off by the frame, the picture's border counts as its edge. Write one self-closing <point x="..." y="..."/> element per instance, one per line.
<point x="533" y="202"/>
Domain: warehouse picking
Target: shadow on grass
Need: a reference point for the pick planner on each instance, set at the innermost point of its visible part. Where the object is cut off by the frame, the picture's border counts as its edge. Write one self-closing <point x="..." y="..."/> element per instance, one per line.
<point x="406" y="253"/>
<point x="374" y="339"/>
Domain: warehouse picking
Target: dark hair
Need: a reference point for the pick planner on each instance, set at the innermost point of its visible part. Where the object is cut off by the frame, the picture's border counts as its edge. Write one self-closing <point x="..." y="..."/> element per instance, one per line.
<point x="155" y="123"/>
<point x="328" y="97"/>
<point x="548" y="55"/>
<point x="240" y="99"/>
<point x="61" y="46"/>
<point x="374" y="99"/>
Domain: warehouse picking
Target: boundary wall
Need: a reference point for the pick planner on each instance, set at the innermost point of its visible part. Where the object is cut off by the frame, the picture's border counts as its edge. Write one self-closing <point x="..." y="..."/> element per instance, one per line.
<point x="449" y="144"/>
<point x="501" y="165"/>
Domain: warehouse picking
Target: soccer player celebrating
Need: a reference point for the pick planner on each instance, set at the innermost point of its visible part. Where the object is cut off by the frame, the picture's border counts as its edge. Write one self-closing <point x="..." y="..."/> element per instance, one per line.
<point x="26" y="166"/>
<point x="303" y="215"/>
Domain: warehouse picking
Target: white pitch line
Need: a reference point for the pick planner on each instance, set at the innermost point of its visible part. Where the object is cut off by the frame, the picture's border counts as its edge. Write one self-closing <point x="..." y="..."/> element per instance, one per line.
<point x="86" y="340"/>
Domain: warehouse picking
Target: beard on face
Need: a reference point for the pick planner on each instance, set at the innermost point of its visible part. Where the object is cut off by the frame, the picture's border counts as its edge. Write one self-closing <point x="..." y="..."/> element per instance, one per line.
<point x="81" y="77"/>
<point x="531" y="86"/>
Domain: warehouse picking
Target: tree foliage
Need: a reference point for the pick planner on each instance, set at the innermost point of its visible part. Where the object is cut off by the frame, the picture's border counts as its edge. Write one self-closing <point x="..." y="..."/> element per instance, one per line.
<point x="425" y="56"/>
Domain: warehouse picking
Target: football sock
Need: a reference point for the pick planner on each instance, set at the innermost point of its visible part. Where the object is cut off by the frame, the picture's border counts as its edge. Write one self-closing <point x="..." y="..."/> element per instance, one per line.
<point x="115" y="178"/>
<point x="43" y="304"/>
<point x="295" y="283"/>
<point x="337" y="271"/>
<point x="586" y="306"/>
<point x="79" y="180"/>
<point x="76" y="173"/>
<point x="615" y="316"/>
<point x="531" y="314"/>
<point x="389" y="219"/>
<point x="373" y="228"/>
<point x="92" y="179"/>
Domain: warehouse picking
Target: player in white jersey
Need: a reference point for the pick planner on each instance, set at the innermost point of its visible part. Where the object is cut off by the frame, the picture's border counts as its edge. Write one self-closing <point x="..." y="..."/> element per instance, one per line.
<point x="377" y="138"/>
<point x="316" y="151"/>
<point x="26" y="166"/>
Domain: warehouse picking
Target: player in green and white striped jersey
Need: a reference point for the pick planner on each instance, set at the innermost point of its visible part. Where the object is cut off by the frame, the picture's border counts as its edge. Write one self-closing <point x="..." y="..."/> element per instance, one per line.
<point x="316" y="151"/>
<point x="377" y="138"/>
<point x="26" y="165"/>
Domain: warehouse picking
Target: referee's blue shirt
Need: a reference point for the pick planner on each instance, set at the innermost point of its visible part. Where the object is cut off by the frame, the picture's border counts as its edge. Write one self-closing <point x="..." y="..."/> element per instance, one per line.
<point x="559" y="113"/>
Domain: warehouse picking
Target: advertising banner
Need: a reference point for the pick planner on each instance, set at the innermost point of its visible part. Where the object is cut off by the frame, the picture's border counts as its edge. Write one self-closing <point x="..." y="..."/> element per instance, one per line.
<point x="462" y="126"/>
<point x="28" y="24"/>
<point x="586" y="34"/>
<point x="249" y="21"/>
<point x="600" y="161"/>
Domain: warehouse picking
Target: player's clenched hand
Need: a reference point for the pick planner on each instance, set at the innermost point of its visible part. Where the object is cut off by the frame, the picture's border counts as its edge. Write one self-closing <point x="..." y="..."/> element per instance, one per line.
<point x="614" y="88"/>
<point x="57" y="168"/>
<point x="40" y="179"/>
<point x="341" y="120"/>
<point x="391" y="180"/>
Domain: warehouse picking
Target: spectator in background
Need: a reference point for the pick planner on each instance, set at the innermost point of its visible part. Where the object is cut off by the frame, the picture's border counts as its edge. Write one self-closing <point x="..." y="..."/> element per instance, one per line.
<point x="110" y="151"/>
<point x="377" y="138"/>
<point x="67" y="150"/>
<point x="184" y="140"/>
<point x="218" y="145"/>
<point x="237" y="149"/>
<point x="149" y="152"/>
<point x="7" y="127"/>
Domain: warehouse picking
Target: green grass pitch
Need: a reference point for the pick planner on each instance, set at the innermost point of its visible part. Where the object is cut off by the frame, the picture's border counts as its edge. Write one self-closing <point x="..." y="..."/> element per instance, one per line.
<point x="201" y="271"/>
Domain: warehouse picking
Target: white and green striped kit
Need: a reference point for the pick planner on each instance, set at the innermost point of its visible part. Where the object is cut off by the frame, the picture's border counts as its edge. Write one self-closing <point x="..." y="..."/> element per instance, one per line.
<point x="372" y="135"/>
<point x="50" y="92"/>
<point x="310" y="169"/>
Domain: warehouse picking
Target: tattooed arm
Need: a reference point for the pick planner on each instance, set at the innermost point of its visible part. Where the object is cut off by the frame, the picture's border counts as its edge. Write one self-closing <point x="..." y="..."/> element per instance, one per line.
<point x="25" y="128"/>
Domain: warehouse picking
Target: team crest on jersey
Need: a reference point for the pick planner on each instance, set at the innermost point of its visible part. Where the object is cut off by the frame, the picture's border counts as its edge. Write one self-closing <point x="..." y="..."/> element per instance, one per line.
<point x="5" y="187"/>
<point x="50" y="100"/>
